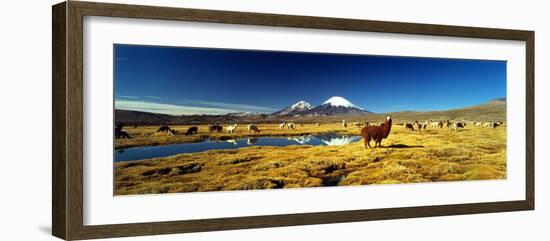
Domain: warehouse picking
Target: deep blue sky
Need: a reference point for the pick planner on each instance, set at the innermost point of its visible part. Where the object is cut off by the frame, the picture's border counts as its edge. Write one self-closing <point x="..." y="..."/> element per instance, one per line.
<point x="179" y="80"/>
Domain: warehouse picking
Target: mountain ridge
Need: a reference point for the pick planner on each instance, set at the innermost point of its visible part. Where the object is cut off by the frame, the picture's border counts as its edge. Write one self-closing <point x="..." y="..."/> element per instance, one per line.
<point x="493" y="110"/>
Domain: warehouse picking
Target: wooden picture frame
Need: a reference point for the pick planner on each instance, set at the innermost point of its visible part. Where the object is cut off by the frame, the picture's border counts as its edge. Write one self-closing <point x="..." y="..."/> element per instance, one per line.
<point x="67" y="150"/>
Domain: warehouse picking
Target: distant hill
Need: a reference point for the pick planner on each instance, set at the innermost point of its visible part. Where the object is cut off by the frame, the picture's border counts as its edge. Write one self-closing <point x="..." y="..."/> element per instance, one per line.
<point x="494" y="110"/>
<point x="138" y="117"/>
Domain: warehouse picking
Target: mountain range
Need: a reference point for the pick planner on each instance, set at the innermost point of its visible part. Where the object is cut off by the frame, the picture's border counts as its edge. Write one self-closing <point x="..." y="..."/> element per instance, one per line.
<point x="332" y="110"/>
<point x="334" y="106"/>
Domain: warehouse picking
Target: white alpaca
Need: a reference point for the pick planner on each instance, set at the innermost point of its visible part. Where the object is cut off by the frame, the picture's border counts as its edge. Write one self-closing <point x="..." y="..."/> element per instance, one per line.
<point x="282" y="125"/>
<point x="290" y="125"/>
<point x="434" y="123"/>
<point x="344" y="124"/>
<point x="231" y="129"/>
<point x="317" y="124"/>
<point x="477" y="124"/>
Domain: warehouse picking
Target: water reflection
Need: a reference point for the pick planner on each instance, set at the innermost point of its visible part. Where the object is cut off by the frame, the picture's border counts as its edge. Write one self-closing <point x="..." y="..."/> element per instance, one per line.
<point x="337" y="140"/>
<point x="146" y="152"/>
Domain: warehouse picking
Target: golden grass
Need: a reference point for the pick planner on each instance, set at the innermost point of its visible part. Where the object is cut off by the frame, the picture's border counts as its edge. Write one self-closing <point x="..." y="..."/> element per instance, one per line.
<point x="473" y="153"/>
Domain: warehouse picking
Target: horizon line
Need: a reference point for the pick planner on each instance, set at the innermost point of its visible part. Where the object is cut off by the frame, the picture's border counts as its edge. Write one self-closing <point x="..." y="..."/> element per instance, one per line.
<point x="270" y="113"/>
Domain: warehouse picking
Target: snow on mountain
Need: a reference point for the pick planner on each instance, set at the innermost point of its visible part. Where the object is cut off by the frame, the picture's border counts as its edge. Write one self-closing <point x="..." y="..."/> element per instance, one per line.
<point x="295" y="109"/>
<point x="301" y="105"/>
<point x="340" y="101"/>
<point x="335" y="106"/>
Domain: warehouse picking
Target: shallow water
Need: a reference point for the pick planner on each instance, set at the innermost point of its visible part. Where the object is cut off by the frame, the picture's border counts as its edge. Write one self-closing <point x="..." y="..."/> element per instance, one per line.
<point x="147" y="152"/>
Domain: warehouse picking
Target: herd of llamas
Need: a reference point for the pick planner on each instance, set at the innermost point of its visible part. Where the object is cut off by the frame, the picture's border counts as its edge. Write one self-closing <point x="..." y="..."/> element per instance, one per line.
<point x="369" y="132"/>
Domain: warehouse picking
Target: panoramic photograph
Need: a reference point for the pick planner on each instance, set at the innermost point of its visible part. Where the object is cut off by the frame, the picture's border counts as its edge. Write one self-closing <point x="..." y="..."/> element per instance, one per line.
<point x="205" y="119"/>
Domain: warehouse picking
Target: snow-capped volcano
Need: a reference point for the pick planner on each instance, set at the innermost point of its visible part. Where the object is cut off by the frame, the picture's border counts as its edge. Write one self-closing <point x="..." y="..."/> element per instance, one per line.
<point x="301" y="105"/>
<point x="335" y="105"/>
<point x="339" y="101"/>
<point x="295" y="109"/>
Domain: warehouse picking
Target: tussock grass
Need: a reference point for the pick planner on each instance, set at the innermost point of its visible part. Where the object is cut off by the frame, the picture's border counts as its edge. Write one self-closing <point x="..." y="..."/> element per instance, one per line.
<point x="434" y="155"/>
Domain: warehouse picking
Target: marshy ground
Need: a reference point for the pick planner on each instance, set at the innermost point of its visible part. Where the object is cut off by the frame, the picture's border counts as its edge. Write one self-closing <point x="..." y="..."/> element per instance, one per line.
<point x="432" y="155"/>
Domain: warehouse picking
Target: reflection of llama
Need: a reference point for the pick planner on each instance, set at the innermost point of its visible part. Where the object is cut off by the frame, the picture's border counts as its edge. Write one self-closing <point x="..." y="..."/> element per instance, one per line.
<point x="376" y="133"/>
<point x="251" y="141"/>
<point x="232" y="141"/>
<point x="231" y="129"/>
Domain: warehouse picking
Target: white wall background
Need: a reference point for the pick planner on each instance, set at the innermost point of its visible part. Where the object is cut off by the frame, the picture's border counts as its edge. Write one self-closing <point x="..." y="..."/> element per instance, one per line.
<point x="25" y="101"/>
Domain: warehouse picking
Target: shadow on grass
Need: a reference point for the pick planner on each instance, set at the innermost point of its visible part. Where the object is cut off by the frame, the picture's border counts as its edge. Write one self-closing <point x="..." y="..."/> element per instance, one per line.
<point x="402" y="146"/>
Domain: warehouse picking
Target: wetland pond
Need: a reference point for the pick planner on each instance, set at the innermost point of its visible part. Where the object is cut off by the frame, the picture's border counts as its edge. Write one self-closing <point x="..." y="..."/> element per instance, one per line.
<point x="147" y="152"/>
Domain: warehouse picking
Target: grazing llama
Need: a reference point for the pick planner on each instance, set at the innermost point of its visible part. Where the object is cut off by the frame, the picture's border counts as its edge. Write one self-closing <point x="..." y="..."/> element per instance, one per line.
<point x="253" y="128"/>
<point x="192" y="130"/>
<point x="164" y="129"/>
<point x="291" y="125"/>
<point x="232" y="128"/>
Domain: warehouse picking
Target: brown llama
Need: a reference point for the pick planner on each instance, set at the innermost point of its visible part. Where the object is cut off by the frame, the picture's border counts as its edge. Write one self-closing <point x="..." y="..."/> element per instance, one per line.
<point x="376" y="133"/>
<point x="215" y="128"/>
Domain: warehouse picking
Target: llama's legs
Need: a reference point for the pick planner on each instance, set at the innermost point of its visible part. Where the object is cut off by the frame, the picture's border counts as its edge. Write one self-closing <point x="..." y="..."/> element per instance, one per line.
<point x="367" y="143"/>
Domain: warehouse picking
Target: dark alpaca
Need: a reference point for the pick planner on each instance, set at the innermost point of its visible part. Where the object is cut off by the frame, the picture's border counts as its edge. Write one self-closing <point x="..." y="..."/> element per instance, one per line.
<point x="118" y="126"/>
<point x="409" y="126"/>
<point x="122" y="135"/>
<point x="119" y="134"/>
<point x="216" y="128"/>
<point x="192" y="130"/>
<point x="164" y="129"/>
<point x="376" y="133"/>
